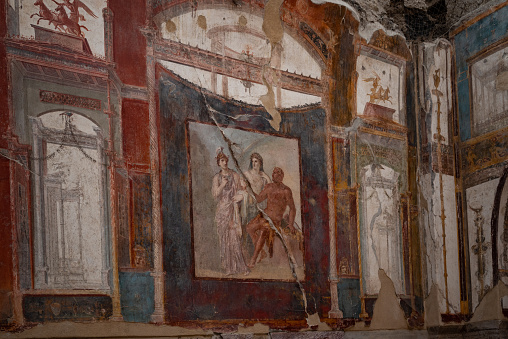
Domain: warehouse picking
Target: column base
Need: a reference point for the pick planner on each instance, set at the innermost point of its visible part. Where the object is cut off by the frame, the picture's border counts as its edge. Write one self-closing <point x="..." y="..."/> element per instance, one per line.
<point x="116" y="318"/>
<point x="157" y="317"/>
<point x="335" y="314"/>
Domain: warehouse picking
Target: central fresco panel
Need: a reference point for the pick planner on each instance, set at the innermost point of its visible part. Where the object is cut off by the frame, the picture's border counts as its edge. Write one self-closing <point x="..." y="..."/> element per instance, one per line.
<point x="225" y="212"/>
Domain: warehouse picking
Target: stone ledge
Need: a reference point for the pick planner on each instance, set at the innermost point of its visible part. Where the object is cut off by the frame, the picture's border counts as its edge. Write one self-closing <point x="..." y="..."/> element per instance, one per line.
<point x="482" y="329"/>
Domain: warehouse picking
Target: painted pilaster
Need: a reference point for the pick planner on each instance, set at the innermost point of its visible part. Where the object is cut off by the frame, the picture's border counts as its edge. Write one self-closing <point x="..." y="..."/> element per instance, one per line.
<point x="117" y="312"/>
<point x="107" y="14"/>
<point x="17" y="297"/>
<point x="334" y="312"/>
<point x="158" y="270"/>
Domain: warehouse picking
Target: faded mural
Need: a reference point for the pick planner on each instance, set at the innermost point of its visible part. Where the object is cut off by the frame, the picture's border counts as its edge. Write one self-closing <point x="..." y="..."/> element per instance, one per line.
<point x="382" y="242"/>
<point x="70" y="190"/>
<point x="480" y="201"/>
<point x="217" y="164"/>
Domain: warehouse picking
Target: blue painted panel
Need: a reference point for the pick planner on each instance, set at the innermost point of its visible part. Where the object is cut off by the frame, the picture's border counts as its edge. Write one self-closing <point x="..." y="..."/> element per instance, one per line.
<point x="467" y="43"/>
<point x="136" y="296"/>
<point x="349" y="297"/>
<point x="464" y="109"/>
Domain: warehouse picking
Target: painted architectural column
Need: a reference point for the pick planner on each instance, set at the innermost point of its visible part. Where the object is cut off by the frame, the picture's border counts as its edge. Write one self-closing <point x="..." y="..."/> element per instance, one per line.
<point x="17" y="311"/>
<point x="158" y="269"/>
<point x="443" y="261"/>
<point x="107" y="13"/>
<point x="117" y="312"/>
<point x="108" y="48"/>
<point x="335" y="312"/>
<point x="16" y="152"/>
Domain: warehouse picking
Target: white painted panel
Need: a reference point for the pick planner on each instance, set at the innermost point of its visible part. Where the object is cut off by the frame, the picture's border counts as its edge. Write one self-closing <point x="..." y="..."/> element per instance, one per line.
<point x="95" y="26"/>
<point x="388" y="77"/>
<point x="481" y="199"/>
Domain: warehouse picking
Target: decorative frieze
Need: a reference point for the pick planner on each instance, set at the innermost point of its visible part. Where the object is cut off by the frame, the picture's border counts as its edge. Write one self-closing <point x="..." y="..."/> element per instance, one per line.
<point x="484" y="152"/>
<point x="70" y="100"/>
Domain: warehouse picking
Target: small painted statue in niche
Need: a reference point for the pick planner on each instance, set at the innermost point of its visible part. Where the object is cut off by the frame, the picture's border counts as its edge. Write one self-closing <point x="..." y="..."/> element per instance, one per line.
<point x="344" y="266"/>
<point x="140" y="257"/>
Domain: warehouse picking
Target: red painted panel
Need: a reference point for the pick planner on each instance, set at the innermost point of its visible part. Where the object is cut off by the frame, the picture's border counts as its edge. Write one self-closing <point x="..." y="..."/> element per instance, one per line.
<point x="136" y="135"/>
<point x="4" y="81"/>
<point x="128" y="42"/>
<point x="5" y="212"/>
<point x="5" y="228"/>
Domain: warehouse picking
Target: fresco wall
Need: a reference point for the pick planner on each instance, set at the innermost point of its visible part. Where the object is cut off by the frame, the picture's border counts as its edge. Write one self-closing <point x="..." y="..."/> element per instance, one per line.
<point x="215" y="165"/>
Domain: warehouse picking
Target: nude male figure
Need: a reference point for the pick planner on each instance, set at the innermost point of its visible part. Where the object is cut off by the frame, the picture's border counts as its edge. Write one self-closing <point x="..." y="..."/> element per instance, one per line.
<point x="278" y="197"/>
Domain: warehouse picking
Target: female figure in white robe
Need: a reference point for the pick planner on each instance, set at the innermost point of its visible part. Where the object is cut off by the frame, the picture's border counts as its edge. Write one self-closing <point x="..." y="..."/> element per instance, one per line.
<point x="226" y="187"/>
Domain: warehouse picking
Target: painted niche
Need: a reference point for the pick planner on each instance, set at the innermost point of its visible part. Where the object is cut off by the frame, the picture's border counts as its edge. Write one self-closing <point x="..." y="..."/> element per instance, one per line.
<point x="480" y="202"/>
<point x="489" y="84"/>
<point x="71" y="250"/>
<point x="380" y="87"/>
<point x="381" y="234"/>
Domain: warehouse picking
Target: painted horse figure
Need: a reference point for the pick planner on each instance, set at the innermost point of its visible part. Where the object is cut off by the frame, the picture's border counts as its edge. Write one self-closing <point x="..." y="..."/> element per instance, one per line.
<point x="71" y="26"/>
<point x="46" y="14"/>
<point x="61" y="19"/>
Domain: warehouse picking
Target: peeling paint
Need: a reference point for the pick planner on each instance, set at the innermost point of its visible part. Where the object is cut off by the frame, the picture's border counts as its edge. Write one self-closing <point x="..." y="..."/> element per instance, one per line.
<point x="113" y="329"/>
<point x="242" y="21"/>
<point x="388" y="314"/>
<point x="202" y="22"/>
<point x="272" y="23"/>
<point x="490" y="307"/>
<point x="256" y="329"/>
<point x="268" y="101"/>
<point x="368" y="29"/>
<point x="272" y="27"/>
<point x="170" y="26"/>
<point x="314" y="320"/>
<point x="432" y="309"/>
